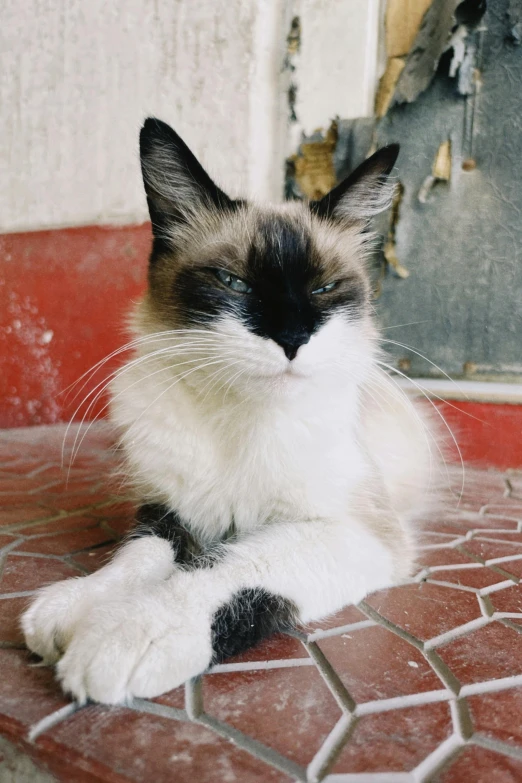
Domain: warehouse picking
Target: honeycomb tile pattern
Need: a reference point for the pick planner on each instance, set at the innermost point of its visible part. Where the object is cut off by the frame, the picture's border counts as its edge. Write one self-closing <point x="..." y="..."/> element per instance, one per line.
<point x="422" y="682"/>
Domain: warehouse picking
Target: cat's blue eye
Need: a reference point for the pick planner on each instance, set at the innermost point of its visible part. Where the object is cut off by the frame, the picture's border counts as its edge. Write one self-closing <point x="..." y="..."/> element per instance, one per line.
<point x="325" y="288"/>
<point x="233" y="282"/>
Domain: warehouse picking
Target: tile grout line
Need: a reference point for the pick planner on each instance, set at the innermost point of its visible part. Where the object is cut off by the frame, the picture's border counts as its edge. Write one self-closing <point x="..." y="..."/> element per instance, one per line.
<point x="503" y="559"/>
<point x="63" y="514"/>
<point x="382" y="621"/>
<point x="252" y="746"/>
<point x="402" y="702"/>
<point x="154" y="708"/>
<point x="510" y="624"/>
<point x="507" y="616"/>
<point x="461" y="718"/>
<point x="490" y="743"/>
<point x="340" y="630"/>
<point x="194" y="698"/>
<point x="330" y="749"/>
<point x="505" y="541"/>
<point x="455" y="633"/>
<point x="19" y="594"/>
<point x="245" y="666"/>
<point x="455" y="567"/>
<point x="331" y="678"/>
<point x="443" y="672"/>
<point x="485" y="591"/>
<point x="369" y="777"/>
<point x="53" y="719"/>
<point x="453" y="586"/>
<point x="491" y="686"/>
<point x="486" y="607"/>
<point x="432" y="764"/>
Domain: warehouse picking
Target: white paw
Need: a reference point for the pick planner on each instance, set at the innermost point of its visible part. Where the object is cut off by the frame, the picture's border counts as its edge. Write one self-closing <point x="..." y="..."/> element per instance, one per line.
<point x="140" y="646"/>
<point x="57" y="611"/>
<point x="50" y="621"/>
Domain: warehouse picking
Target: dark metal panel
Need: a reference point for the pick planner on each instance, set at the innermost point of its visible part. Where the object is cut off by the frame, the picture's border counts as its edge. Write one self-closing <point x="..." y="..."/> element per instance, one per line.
<point x="463" y="246"/>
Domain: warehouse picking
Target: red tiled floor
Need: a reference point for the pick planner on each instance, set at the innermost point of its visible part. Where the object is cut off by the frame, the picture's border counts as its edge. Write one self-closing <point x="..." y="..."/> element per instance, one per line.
<point x="498" y="718"/>
<point x="66" y="524"/>
<point x="425" y="610"/>
<point x="276" y="648"/>
<point x="444" y="557"/>
<point x="487" y="653"/>
<point x="302" y="710"/>
<point x="22" y="573"/>
<point x="374" y="664"/>
<point x="27" y="693"/>
<point x="512" y="565"/>
<point x="477" y="578"/>
<point x="65" y="543"/>
<point x="95" y="558"/>
<point x="370" y="693"/>
<point x="508" y="600"/>
<point x="395" y="741"/>
<point x="487" y="550"/>
<point x="10" y="611"/>
<point x="478" y="765"/>
<point x="21" y="513"/>
<point x="140" y="747"/>
<point x="346" y="616"/>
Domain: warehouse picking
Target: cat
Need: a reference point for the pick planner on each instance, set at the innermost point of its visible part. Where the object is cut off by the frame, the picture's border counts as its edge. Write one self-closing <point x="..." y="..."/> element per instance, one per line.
<point x="281" y="472"/>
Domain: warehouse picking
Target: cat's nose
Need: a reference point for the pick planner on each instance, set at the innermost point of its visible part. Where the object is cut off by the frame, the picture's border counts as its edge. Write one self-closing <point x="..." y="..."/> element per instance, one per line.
<point x="291" y="345"/>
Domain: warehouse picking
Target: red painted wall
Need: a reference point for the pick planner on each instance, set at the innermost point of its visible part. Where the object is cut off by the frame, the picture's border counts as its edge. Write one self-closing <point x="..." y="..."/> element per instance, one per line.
<point x="64" y="295"/>
<point x="488" y="434"/>
<point x="63" y="299"/>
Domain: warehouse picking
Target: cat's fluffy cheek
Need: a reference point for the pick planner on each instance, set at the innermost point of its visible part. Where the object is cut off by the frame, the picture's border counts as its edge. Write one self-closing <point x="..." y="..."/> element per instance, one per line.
<point x="137" y="647"/>
<point x="339" y="343"/>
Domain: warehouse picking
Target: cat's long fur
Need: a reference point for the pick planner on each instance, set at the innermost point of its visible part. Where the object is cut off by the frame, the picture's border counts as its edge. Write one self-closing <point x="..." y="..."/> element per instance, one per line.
<point x="281" y="470"/>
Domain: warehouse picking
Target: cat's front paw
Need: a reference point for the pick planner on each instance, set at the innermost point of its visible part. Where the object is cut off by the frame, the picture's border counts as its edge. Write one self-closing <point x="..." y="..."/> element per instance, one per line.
<point x="58" y="610"/>
<point x="49" y="623"/>
<point x="138" y="646"/>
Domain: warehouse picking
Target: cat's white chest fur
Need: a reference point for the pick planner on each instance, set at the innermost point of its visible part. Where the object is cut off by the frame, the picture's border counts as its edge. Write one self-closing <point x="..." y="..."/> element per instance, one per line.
<point x="246" y="464"/>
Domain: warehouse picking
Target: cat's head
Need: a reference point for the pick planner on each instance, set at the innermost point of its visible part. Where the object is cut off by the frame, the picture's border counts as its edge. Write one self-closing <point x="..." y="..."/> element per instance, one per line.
<point x="259" y="292"/>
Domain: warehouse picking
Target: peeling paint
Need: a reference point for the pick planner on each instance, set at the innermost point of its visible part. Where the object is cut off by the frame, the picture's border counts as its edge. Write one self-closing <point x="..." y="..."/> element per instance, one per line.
<point x="390" y="250"/>
<point x="440" y="172"/>
<point x="402" y="21"/>
<point x="293" y="46"/>
<point x="447" y="25"/>
<point x="312" y="169"/>
<point x="387" y="84"/>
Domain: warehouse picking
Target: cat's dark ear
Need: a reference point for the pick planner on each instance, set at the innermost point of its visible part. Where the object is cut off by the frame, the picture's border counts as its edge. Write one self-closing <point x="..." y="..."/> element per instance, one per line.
<point x="177" y="186"/>
<point x="366" y="192"/>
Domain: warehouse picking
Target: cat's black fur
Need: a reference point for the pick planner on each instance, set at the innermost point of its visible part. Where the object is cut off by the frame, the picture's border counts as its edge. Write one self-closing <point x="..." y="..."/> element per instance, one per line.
<point x="251" y="616"/>
<point x="238" y="625"/>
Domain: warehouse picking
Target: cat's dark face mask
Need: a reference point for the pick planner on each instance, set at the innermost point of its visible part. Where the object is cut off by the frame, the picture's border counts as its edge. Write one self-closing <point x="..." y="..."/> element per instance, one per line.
<point x="283" y="289"/>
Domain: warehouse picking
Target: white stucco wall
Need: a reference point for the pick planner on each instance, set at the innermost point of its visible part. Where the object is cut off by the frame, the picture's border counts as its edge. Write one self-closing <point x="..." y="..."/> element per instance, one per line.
<point x="338" y="60"/>
<point x="79" y="77"/>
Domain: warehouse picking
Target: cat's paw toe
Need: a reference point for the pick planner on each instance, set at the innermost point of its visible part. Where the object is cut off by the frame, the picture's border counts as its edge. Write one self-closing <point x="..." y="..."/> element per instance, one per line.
<point x="49" y="621"/>
<point x="127" y="649"/>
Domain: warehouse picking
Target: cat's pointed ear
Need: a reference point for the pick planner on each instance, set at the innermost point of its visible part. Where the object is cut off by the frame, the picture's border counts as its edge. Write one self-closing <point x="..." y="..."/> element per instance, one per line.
<point x="177" y="186"/>
<point x="366" y="192"/>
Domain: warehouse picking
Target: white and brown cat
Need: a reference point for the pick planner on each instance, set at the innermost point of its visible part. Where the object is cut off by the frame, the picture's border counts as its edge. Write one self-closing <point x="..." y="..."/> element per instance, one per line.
<point x="280" y="469"/>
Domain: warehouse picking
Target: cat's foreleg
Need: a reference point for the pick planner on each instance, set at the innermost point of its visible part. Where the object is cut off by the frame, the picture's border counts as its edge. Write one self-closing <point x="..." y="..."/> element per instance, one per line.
<point x="150" y="642"/>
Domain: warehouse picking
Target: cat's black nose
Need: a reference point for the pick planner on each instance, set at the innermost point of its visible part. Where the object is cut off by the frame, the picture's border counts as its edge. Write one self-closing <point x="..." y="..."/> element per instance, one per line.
<point x="291" y="345"/>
